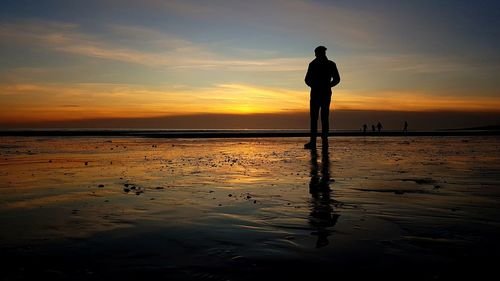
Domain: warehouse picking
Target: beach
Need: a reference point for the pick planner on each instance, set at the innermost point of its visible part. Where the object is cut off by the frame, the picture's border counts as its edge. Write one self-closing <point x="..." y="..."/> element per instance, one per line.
<point x="127" y="207"/>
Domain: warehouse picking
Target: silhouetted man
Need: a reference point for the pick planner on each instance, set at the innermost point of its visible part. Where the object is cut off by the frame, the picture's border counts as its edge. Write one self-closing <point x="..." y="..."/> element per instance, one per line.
<point x="321" y="76"/>
<point x="379" y="126"/>
<point x="364" y="128"/>
<point x="405" y="129"/>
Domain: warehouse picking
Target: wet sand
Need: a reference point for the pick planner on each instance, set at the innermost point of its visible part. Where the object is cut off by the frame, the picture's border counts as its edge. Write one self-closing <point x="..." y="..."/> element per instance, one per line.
<point x="124" y="208"/>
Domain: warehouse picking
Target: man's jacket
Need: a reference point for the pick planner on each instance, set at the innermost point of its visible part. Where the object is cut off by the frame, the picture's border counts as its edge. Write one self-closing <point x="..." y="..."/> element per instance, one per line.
<point x="322" y="75"/>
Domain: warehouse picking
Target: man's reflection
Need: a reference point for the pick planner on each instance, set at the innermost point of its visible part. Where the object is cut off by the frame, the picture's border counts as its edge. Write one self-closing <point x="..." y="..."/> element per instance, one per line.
<point x="321" y="217"/>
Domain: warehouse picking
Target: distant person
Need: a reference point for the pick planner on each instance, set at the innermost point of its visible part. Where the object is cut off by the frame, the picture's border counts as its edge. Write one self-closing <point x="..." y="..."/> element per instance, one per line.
<point x="322" y="75"/>
<point x="405" y="128"/>
<point x="379" y="126"/>
<point x="373" y="128"/>
<point x="364" y="128"/>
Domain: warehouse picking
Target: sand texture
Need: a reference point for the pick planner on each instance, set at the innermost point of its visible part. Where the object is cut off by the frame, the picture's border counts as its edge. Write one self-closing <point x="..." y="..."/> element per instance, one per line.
<point x="122" y="208"/>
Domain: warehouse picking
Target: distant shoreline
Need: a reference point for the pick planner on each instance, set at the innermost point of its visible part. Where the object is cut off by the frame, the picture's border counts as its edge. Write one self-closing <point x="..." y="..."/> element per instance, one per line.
<point x="231" y="133"/>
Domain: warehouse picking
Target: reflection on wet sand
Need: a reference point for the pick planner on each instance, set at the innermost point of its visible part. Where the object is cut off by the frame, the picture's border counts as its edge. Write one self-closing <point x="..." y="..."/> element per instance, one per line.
<point x="322" y="217"/>
<point x="243" y="209"/>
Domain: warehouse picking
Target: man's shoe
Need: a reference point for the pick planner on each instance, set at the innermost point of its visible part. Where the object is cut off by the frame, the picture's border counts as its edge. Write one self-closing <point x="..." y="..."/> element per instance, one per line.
<point x="310" y="145"/>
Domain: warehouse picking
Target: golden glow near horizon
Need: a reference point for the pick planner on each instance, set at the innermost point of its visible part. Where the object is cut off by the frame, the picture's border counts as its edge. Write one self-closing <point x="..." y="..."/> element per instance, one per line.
<point x="70" y="70"/>
<point x="51" y="102"/>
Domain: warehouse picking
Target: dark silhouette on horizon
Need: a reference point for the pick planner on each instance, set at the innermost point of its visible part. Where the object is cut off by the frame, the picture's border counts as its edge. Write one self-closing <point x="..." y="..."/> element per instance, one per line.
<point x="321" y="76"/>
<point x="405" y="128"/>
<point x="322" y="216"/>
<point x="373" y="128"/>
<point x="379" y="126"/>
<point x="364" y="128"/>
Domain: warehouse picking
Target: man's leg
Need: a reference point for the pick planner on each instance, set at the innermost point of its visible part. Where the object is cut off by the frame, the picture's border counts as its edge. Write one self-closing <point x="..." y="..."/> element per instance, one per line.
<point x="325" y="114"/>
<point x="314" y="114"/>
<point x="314" y="111"/>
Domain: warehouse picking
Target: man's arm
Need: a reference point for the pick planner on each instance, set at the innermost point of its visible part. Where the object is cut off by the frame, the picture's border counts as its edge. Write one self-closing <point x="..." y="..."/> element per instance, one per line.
<point x="308" y="78"/>
<point x="335" y="76"/>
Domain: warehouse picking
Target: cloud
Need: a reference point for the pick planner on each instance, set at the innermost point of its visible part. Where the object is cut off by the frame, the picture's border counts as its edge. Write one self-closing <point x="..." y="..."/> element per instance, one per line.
<point x="416" y="64"/>
<point x="149" y="47"/>
<point x="170" y="51"/>
<point x="45" y="102"/>
<point x="414" y="100"/>
<point x="347" y="27"/>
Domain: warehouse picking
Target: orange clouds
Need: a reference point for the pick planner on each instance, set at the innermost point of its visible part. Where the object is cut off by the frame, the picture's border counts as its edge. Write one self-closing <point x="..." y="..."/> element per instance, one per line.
<point x="44" y="102"/>
<point x="50" y="102"/>
<point x="415" y="101"/>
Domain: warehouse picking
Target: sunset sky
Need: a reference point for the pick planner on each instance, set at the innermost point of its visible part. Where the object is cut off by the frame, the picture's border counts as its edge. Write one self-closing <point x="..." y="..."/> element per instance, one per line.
<point x="91" y="60"/>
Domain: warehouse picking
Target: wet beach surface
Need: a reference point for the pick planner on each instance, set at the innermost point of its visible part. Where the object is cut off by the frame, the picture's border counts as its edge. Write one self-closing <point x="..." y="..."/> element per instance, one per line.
<point x="83" y="208"/>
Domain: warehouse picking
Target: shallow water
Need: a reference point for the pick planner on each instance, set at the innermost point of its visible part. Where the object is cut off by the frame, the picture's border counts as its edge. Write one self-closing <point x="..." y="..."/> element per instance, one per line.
<point x="238" y="209"/>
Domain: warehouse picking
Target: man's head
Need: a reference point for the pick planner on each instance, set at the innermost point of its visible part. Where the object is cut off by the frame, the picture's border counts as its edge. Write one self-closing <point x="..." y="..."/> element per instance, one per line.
<point x="320" y="51"/>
